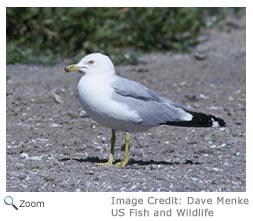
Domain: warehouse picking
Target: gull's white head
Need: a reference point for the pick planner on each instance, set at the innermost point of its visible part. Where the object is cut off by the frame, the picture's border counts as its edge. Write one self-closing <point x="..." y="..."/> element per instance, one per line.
<point x="95" y="63"/>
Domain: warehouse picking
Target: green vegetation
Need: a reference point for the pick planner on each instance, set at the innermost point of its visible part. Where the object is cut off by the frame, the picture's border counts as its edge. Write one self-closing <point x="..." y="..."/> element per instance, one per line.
<point x="47" y="35"/>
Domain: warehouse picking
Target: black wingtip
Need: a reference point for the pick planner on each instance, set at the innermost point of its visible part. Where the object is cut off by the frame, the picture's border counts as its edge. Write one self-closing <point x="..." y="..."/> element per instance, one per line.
<point x="200" y="120"/>
<point x="220" y="121"/>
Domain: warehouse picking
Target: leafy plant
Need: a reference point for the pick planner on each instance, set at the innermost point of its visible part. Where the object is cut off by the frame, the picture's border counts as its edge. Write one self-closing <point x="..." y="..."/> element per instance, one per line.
<point x="48" y="35"/>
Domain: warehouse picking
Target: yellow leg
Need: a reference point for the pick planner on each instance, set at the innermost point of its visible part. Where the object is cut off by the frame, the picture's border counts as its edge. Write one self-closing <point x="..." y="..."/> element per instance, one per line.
<point x="110" y="161"/>
<point x="125" y="160"/>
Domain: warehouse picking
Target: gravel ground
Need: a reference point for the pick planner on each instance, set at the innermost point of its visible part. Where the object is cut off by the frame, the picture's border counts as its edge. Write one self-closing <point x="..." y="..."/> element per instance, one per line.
<point x="52" y="145"/>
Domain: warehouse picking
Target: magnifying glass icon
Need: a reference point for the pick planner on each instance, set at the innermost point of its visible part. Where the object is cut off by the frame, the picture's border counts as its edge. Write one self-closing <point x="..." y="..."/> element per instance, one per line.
<point x="8" y="200"/>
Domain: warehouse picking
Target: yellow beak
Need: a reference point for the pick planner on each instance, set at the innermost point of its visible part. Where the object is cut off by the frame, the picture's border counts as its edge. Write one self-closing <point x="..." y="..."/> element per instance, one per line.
<point x="72" y="67"/>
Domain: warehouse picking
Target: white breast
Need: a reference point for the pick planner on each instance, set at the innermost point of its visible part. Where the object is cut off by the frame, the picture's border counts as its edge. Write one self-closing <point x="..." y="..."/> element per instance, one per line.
<point x="94" y="93"/>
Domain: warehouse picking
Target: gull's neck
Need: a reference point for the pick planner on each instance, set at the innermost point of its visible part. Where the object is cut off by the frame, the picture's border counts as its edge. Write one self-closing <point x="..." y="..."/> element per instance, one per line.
<point x="102" y="73"/>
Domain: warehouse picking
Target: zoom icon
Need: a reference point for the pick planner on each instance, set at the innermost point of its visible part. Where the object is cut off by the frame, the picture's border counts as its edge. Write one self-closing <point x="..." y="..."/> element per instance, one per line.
<point x="8" y="200"/>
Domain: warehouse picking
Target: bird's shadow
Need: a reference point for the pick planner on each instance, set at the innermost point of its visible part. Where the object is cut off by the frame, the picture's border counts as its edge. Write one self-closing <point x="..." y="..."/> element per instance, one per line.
<point x="131" y="161"/>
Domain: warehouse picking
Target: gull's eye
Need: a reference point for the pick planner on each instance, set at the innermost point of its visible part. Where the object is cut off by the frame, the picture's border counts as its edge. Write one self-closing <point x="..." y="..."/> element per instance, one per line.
<point x="91" y="62"/>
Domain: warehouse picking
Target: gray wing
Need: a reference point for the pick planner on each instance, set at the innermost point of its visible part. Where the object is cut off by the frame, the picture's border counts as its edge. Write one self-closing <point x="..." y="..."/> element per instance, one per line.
<point x="152" y="108"/>
<point x="133" y="89"/>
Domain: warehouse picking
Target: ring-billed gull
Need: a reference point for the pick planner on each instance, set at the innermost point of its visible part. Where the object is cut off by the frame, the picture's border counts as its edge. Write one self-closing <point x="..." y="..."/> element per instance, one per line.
<point x="125" y="105"/>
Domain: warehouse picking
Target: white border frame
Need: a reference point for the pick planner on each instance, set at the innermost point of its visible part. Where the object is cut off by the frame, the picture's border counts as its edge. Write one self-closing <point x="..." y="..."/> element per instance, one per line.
<point x="65" y="206"/>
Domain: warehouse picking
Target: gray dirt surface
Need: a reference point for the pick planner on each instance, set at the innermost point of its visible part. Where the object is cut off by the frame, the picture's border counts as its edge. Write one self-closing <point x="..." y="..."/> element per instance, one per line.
<point x="52" y="145"/>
